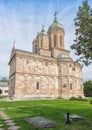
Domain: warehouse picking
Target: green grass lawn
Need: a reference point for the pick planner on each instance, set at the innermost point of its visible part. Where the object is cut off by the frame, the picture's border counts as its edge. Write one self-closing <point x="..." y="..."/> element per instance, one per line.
<point x="2" y="96"/>
<point x="50" y="109"/>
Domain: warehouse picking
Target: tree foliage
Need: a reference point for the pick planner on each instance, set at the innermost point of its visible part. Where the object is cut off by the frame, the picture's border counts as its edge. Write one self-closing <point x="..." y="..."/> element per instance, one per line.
<point x="88" y="88"/>
<point x="83" y="32"/>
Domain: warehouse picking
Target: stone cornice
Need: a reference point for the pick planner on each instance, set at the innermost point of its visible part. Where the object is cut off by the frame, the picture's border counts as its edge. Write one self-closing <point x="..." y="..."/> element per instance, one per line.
<point x="69" y="76"/>
<point x="52" y="75"/>
<point x="57" y="48"/>
<point x="33" y="55"/>
<point x="37" y="74"/>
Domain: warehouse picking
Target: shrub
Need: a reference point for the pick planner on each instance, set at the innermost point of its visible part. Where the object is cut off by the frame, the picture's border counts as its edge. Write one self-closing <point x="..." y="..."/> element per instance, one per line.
<point x="91" y="102"/>
<point x="78" y="98"/>
<point x="2" y="96"/>
<point x="73" y="98"/>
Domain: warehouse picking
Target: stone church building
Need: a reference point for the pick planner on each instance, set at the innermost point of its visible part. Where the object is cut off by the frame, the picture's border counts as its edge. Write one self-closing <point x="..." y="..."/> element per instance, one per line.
<point x="47" y="71"/>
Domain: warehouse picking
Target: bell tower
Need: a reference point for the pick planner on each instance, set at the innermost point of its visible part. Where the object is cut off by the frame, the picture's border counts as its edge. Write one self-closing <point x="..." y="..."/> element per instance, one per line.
<point x="56" y="38"/>
<point x="56" y="34"/>
<point x="41" y="44"/>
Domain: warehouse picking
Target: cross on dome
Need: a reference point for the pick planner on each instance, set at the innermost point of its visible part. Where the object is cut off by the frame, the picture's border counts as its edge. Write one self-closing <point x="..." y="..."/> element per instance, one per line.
<point x="55" y="14"/>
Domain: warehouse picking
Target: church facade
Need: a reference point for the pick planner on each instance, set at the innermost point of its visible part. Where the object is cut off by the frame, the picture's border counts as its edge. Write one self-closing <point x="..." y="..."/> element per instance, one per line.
<point x="47" y="71"/>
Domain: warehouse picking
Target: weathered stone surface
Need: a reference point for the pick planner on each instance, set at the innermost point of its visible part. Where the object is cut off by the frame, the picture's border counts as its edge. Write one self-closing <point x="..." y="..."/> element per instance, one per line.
<point x="41" y="122"/>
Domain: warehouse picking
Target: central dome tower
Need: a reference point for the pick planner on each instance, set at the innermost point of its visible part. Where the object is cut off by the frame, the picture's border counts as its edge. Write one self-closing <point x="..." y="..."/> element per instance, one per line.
<point x="56" y="34"/>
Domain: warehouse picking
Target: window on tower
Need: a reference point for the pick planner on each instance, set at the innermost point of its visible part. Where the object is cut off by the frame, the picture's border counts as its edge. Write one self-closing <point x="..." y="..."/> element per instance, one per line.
<point x="55" y="39"/>
<point x="41" y="42"/>
<point x="61" y="41"/>
<point x="50" y="42"/>
<point x="35" y="48"/>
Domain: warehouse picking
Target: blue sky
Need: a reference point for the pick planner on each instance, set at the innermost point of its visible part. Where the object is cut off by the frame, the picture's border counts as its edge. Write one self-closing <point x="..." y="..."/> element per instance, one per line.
<point x="20" y="20"/>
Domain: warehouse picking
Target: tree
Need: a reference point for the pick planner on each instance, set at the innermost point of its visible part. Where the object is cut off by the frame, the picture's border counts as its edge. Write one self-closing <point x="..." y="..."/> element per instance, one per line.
<point x="83" y="32"/>
<point x="88" y="88"/>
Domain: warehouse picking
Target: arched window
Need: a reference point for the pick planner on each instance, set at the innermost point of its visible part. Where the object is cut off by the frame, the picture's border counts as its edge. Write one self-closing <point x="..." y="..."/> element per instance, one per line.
<point x="70" y="86"/>
<point x="37" y="85"/>
<point x="61" y="41"/>
<point x="55" y="40"/>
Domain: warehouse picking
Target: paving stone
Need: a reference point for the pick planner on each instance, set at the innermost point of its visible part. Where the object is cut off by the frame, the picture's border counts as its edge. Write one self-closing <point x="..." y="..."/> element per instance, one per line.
<point x="1" y="129"/>
<point x="6" y="118"/>
<point x="1" y="112"/>
<point x="13" y="128"/>
<point x="9" y="121"/>
<point x="11" y="124"/>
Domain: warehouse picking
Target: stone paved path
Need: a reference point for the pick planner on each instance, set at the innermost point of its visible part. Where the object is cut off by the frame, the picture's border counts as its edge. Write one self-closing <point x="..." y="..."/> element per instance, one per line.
<point x="9" y="122"/>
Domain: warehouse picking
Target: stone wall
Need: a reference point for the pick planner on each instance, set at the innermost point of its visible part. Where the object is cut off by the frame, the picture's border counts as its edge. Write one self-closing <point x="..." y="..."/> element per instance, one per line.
<point x="29" y="72"/>
<point x="33" y="76"/>
<point x="70" y="79"/>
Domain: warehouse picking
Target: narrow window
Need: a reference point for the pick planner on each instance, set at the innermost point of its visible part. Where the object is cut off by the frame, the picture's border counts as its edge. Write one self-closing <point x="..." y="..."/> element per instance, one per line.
<point x="70" y="65"/>
<point x="61" y="41"/>
<point x="55" y="39"/>
<point x="46" y="64"/>
<point x="70" y="86"/>
<point x="37" y="85"/>
<point x="41" y="42"/>
<point x="50" y="43"/>
<point x="27" y="62"/>
<point x="6" y="91"/>
<point x="35" y="48"/>
<point x="0" y="91"/>
<point x="64" y="85"/>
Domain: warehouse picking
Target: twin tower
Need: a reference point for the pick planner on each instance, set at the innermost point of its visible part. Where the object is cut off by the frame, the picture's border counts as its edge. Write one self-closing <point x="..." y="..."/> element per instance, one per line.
<point x="51" y="43"/>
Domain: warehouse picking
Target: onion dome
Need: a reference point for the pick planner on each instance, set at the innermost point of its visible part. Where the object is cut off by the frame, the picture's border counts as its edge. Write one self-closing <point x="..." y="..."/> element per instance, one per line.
<point x="35" y="40"/>
<point x="43" y="32"/>
<point x="60" y="56"/>
<point x="56" y="24"/>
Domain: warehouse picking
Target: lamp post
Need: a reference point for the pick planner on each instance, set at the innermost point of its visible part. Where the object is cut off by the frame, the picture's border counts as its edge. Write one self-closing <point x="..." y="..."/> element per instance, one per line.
<point x="67" y="117"/>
